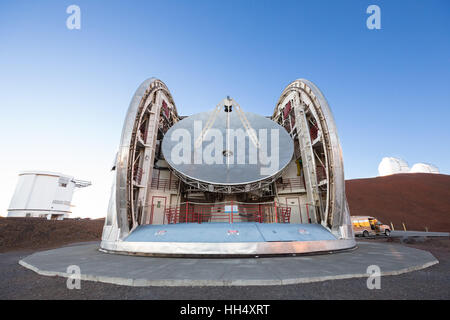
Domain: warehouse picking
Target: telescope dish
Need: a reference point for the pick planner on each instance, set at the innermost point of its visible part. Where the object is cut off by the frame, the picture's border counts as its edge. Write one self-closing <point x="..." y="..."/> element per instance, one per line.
<point x="227" y="149"/>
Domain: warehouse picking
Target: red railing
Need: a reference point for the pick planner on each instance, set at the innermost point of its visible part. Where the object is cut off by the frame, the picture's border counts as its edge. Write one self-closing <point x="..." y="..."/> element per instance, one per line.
<point x="228" y="212"/>
<point x="165" y="109"/>
<point x="287" y="109"/>
<point x="285" y="214"/>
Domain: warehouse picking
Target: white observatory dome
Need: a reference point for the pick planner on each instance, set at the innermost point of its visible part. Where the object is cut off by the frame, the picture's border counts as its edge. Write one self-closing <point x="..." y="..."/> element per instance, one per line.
<point x="389" y="165"/>
<point x="424" y="168"/>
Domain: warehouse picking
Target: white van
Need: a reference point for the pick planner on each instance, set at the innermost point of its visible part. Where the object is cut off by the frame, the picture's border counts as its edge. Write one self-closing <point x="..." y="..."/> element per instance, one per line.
<point x="367" y="225"/>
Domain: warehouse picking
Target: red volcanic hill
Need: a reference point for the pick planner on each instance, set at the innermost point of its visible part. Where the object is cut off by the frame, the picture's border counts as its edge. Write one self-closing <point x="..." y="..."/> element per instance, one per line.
<point x="418" y="199"/>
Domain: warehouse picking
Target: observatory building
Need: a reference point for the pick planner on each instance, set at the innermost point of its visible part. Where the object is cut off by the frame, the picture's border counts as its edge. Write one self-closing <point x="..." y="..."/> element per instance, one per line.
<point x="41" y="194"/>
<point x="228" y="182"/>
<point x="389" y="165"/>
<point x="424" y="168"/>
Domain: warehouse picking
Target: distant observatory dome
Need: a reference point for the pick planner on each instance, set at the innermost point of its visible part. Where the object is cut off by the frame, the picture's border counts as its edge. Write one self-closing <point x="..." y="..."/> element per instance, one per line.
<point x="390" y="165"/>
<point x="424" y="168"/>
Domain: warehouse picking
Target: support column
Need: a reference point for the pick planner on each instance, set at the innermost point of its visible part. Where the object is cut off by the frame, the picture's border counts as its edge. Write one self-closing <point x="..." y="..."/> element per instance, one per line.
<point x="149" y="154"/>
<point x="308" y="160"/>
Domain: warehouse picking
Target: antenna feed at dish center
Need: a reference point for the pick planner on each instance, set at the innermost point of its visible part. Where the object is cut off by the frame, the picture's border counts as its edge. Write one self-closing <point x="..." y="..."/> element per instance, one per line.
<point x="228" y="104"/>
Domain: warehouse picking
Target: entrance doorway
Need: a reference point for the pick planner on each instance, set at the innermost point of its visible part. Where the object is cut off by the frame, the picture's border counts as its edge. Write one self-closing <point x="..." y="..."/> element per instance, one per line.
<point x="157" y="210"/>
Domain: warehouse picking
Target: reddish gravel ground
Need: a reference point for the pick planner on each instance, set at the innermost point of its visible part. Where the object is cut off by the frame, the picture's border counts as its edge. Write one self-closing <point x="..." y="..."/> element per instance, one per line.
<point x="418" y="199"/>
<point x="34" y="233"/>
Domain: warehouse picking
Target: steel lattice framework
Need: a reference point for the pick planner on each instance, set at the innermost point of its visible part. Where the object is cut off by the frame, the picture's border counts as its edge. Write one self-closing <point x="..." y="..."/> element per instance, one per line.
<point x="302" y="110"/>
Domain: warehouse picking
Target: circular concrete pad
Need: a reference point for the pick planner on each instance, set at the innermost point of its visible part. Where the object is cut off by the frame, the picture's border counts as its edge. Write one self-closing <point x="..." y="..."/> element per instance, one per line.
<point x="392" y="259"/>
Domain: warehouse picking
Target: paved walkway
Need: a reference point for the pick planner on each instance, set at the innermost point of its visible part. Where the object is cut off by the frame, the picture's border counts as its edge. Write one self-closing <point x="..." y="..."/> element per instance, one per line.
<point x="392" y="259"/>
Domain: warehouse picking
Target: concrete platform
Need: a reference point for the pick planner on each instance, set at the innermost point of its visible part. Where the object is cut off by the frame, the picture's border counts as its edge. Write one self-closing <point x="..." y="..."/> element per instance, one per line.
<point x="392" y="259"/>
<point x="218" y="239"/>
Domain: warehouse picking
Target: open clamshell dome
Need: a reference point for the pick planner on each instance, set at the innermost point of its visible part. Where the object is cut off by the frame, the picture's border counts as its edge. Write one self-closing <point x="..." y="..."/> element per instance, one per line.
<point x="190" y="185"/>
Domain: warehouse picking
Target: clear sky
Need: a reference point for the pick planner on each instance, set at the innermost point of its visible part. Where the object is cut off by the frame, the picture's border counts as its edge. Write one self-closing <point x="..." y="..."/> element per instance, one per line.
<point x="64" y="93"/>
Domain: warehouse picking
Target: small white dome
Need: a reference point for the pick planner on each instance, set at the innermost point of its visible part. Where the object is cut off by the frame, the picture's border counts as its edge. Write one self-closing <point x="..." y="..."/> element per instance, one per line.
<point x="389" y="165"/>
<point x="424" y="168"/>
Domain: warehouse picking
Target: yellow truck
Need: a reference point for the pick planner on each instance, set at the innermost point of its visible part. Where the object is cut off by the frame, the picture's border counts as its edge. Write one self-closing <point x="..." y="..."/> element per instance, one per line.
<point x="367" y="226"/>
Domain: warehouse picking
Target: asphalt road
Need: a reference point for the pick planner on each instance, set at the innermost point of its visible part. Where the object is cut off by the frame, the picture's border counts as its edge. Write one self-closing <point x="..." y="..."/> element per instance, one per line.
<point x="17" y="282"/>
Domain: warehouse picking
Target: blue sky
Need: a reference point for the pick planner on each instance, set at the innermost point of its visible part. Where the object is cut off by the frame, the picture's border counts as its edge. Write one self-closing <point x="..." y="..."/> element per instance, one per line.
<point x="64" y="93"/>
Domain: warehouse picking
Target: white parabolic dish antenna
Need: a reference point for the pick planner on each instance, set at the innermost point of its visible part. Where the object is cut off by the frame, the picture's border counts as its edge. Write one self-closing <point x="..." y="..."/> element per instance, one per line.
<point x="227" y="147"/>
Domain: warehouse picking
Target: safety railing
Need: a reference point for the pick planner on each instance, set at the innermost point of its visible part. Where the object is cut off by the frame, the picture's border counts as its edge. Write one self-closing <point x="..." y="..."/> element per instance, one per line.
<point x="190" y="212"/>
